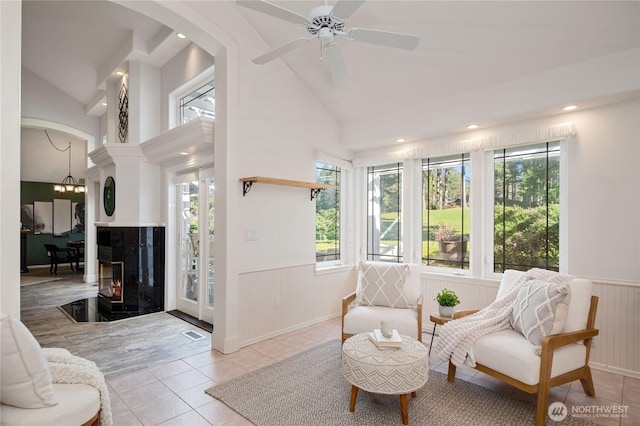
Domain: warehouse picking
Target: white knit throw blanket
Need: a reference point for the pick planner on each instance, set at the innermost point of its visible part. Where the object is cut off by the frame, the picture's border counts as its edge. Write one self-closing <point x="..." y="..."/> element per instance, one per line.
<point x="76" y="370"/>
<point x="457" y="337"/>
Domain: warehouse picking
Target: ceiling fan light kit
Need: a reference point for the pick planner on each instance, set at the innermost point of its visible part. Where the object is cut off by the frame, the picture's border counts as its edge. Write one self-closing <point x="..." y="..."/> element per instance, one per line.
<point x="324" y="22"/>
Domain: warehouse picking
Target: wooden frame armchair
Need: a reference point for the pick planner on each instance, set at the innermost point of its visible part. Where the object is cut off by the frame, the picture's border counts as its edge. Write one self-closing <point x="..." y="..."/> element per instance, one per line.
<point x="572" y="361"/>
<point x="363" y="318"/>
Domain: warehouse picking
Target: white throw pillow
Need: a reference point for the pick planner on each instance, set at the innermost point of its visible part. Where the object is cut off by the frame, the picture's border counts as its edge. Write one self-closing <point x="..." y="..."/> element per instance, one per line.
<point x="25" y="375"/>
<point x="540" y="310"/>
<point x="382" y="284"/>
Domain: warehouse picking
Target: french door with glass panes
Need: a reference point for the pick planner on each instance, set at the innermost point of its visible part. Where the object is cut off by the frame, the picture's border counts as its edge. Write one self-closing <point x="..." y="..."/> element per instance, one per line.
<point x="195" y="275"/>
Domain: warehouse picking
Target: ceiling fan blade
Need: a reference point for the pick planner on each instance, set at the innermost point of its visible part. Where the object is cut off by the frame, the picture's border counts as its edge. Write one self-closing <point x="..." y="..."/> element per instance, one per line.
<point x="345" y="8"/>
<point x="384" y="38"/>
<point x="279" y="51"/>
<point x="273" y="10"/>
<point x="336" y="62"/>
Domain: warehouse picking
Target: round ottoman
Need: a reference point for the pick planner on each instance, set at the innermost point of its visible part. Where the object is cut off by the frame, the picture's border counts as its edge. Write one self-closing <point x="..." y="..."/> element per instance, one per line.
<point x="391" y="371"/>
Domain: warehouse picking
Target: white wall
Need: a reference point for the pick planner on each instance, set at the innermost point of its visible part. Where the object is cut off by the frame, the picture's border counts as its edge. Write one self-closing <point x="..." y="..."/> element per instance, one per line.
<point x="43" y="101"/>
<point x="10" y="39"/>
<point x="40" y="162"/>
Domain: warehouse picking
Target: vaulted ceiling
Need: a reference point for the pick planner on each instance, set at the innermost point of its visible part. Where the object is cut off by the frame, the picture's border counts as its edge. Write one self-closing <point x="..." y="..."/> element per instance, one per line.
<point x="464" y="47"/>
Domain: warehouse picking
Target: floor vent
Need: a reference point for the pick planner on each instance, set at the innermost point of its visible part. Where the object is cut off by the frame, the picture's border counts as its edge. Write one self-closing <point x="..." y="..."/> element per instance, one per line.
<point x="193" y="335"/>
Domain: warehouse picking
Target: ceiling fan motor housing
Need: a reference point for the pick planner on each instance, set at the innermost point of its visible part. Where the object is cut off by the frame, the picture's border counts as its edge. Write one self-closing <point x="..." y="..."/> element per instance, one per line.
<point x="320" y="18"/>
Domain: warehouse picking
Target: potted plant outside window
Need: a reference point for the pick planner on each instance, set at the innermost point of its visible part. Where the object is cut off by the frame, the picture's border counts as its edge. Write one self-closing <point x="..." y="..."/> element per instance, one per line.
<point x="452" y="245"/>
<point x="447" y="300"/>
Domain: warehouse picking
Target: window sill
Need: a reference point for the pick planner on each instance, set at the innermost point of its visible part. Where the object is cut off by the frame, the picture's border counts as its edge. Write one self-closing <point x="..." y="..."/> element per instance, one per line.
<point x="332" y="268"/>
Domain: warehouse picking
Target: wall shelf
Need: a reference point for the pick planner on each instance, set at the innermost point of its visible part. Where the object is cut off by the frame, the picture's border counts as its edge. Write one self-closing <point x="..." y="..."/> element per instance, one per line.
<point x="315" y="187"/>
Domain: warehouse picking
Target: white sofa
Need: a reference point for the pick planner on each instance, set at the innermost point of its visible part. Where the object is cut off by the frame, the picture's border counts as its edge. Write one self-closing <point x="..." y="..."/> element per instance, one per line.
<point x="29" y="397"/>
<point x="384" y="291"/>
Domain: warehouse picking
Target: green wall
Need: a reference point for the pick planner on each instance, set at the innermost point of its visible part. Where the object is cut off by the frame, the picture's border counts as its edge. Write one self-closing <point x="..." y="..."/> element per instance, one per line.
<point x="43" y="191"/>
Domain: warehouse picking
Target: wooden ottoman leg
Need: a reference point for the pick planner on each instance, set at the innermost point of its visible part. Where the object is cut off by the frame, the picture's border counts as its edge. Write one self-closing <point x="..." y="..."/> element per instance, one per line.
<point x="354" y="395"/>
<point x="403" y="409"/>
<point x="414" y="394"/>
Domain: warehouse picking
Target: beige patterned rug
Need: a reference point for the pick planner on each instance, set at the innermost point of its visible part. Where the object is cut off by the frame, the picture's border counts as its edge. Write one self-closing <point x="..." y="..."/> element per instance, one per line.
<point x="309" y="389"/>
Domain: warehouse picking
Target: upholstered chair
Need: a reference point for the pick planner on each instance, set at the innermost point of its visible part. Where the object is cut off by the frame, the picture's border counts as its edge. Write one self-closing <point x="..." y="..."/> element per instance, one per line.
<point x="561" y="358"/>
<point x="384" y="292"/>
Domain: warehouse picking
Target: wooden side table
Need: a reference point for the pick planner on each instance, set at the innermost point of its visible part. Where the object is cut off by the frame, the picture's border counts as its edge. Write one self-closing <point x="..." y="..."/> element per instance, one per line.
<point x="437" y="319"/>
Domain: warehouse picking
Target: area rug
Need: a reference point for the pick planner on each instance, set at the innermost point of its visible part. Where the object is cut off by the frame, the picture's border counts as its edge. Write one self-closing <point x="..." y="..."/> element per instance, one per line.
<point x="309" y="389"/>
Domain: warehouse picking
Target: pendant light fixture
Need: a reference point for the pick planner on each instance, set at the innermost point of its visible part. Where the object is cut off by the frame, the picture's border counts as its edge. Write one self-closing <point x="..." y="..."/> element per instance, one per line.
<point x="69" y="183"/>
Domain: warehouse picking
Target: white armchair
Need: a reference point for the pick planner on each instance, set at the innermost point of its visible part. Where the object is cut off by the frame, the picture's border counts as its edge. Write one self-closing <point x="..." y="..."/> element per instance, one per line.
<point x="509" y="356"/>
<point x="29" y="396"/>
<point x="385" y="291"/>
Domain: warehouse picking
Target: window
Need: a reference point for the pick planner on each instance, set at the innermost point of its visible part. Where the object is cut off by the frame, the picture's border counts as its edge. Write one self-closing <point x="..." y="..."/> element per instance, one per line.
<point x="328" y="214"/>
<point x="527" y="207"/>
<point x="199" y="103"/>
<point x="446" y="211"/>
<point x="384" y="213"/>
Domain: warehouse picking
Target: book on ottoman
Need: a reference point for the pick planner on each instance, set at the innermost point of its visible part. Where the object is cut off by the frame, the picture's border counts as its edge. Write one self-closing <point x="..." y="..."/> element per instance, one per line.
<point x="395" y="341"/>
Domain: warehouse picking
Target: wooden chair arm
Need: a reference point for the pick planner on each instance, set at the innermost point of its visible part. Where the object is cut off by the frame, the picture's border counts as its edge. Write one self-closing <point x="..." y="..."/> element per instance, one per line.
<point x="460" y="314"/>
<point x="558" y="340"/>
<point x="346" y="301"/>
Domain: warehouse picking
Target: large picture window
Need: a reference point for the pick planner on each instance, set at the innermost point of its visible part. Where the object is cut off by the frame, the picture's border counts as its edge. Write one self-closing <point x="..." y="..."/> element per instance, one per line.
<point x="446" y="184"/>
<point x="527" y="207"/>
<point x="328" y="213"/>
<point x="384" y="213"/>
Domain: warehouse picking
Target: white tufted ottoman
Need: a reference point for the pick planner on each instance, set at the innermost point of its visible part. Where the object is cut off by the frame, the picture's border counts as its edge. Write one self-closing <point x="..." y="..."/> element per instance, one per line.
<point x="388" y="371"/>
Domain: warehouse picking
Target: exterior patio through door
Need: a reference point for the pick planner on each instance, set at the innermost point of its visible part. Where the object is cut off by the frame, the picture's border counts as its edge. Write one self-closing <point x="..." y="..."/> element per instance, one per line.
<point x="195" y="233"/>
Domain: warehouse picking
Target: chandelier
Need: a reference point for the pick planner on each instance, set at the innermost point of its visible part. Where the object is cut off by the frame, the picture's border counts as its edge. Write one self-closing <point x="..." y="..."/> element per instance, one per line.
<point x="69" y="183"/>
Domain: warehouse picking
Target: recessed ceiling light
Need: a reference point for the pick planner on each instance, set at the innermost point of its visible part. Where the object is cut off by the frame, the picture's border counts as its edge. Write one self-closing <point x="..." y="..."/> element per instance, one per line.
<point x="104" y="104"/>
<point x="184" y="153"/>
<point x="180" y="35"/>
<point x="473" y="126"/>
<point x="400" y="140"/>
<point x="570" y="107"/>
<point x="119" y="73"/>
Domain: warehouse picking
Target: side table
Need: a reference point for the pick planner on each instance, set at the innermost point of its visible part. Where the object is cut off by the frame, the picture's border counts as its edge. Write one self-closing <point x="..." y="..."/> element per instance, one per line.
<point x="390" y="371"/>
<point x="437" y="319"/>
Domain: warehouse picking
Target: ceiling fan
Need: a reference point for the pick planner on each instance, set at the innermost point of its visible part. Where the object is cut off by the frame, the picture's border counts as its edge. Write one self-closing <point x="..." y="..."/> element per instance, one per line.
<point x="324" y="22"/>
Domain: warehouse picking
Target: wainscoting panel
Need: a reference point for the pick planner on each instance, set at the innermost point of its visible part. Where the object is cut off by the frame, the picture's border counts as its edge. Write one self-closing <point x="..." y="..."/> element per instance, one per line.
<point x="275" y="301"/>
<point x="617" y="347"/>
<point x="473" y="293"/>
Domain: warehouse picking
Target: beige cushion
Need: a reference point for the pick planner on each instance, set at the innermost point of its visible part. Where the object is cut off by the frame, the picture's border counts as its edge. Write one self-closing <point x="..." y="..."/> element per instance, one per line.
<point x="361" y="319"/>
<point x="579" y="305"/>
<point x="509" y="353"/>
<point x="25" y="375"/>
<point x="578" y="309"/>
<point x="534" y="311"/>
<point x="77" y="404"/>
<point x="382" y="284"/>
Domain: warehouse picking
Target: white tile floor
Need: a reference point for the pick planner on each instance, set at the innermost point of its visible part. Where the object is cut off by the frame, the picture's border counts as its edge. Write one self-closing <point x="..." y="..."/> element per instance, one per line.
<point x="173" y="394"/>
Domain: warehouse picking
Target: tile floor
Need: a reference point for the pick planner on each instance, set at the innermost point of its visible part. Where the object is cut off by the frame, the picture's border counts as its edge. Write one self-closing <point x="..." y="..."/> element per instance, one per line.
<point x="167" y="374"/>
<point x="173" y="394"/>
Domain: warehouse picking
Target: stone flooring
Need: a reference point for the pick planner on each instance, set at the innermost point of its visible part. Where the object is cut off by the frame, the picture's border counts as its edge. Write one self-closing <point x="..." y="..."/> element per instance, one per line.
<point x="158" y="376"/>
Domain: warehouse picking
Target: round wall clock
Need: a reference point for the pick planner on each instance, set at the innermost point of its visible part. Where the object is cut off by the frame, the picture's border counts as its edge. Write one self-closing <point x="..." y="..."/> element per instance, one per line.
<point x="109" y="196"/>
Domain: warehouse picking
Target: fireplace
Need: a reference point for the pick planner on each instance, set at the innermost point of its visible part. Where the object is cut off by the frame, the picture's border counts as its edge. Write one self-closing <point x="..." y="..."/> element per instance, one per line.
<point x="131" y="273"/>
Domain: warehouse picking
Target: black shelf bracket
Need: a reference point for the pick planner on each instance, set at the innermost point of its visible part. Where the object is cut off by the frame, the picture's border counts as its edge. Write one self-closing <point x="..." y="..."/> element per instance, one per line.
<point x="315" y="192"/>
<point x="246" y="186"/>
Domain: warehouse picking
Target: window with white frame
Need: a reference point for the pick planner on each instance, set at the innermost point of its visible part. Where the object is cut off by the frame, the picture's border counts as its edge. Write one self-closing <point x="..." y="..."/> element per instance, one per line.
<point x="446" y="210"/>
<point x="527" y="207"/>
<point x="384" y="213"/>
<point x="328" y="213"/>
